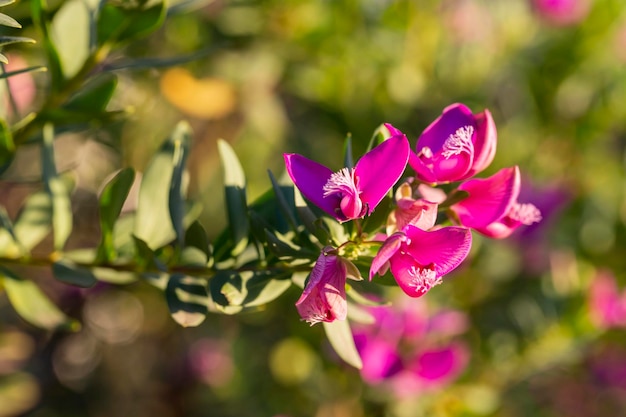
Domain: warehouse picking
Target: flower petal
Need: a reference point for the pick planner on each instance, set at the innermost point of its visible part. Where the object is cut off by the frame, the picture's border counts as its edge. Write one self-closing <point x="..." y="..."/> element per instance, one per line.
<point x="310" y="178"/>
<point x="445" y="248"/>
<point x="489" y="199"/>
<point x="379" y="169"/>
<point x="485" y="144"/>
<point x="386" y="251"/>
<point x="452" y="118"/>
<point x="324" y="297"/>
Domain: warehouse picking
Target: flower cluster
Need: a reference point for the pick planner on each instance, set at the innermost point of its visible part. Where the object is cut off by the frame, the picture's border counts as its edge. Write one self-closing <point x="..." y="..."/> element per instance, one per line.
<point x="411" y="349"/>
<point x="416" y="250"/>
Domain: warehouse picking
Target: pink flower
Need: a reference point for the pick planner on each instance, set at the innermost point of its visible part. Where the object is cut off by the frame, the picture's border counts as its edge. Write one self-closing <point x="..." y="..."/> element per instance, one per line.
<point x="352" y="193"/>
<point x="408" y="350"/>
<point x="562" y="12"/>
<point x="418" y="259"/>
<point x="456" y="146"/>
<point x="606" y="303"/>
<point x="492" y="207"/>
<point x="324" y="296"/>
<point x="420" y="213"/>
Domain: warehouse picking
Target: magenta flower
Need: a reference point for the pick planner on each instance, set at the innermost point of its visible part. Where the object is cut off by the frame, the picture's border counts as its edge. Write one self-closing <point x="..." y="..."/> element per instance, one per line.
<point x="352" y="193"/>
<point x="420" y="213"/>
<point x="419" y="259"/>
<point x="456" y="146"/>
<point x="607" y="303"/>
<point x="409" y="350"/>
<point x="324" y="296"/>
<point x="562" y="12"/>
<point x="492" y="207"/>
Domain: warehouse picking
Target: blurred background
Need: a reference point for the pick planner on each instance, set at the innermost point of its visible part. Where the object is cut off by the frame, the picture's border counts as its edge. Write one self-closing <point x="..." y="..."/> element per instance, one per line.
<point x="532" y="325"/>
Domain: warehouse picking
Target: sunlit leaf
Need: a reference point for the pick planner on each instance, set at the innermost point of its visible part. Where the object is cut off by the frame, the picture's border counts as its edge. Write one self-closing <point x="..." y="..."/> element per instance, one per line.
<point x="68" y="272"/>
<point x="114" y="276"/>
<point x="35" y="220"/>
<point x="153" y="223"/>
<point x="181" y="138"/>
<point x="196" y="237"/>
<point x="8" y="40"/>
<point x="33" y="305"/>
<point x="6" y="20"/>
<point x="36" y="68"/>
<point x="236" y="204"/>
<point x="70" y="31"/>
<point x="112" y="200"/>
<point x="187" y="299"/>
<point x="58" y="189"/>
<point x="340" y="337"/>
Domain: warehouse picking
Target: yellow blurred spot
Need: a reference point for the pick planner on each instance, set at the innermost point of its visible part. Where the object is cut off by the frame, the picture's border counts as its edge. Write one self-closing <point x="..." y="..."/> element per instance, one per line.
<point x="206" y="98"/>
<point x="291" y="361"/>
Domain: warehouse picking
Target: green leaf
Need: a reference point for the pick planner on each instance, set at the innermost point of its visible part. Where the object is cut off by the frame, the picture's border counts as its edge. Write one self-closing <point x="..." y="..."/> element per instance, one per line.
<point x="121" y="23"/>
<point x="112" y="200"/>
<point x="6" y="20"/>
<point x="265" y="287"/>
<point x="196" y="237"/>
<point x="181" y="137"/>
<point x="6" y="2"/>
<point x="58" y="189"/>
<point x="282" y="247"/>
<point x="236" y="204"/>
<point x="36" y="68"/>
<point x="232" y="292"/>
<point x="68" y="272"/>
<point x="286" y="206"/>
<point x="153" y="221"/>
<point x="340" y="337"/>
<point x="7" y="147"/>
<point x="39" y="14"/>
<point x="70" y="30"/>
<point x="144" y="256"/>
<point x="35" y="220"/>
<point x="310" y="221"/>
<point x="114" y="276"/>
<point x="94" y="96"/>
<point x="187" y="299"/>
<point x="33" y="305"/>
<point x="8" y="40"/>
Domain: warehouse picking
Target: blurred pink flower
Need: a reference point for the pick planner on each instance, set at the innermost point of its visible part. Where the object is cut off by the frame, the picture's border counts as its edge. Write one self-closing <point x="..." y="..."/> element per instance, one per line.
<point x="211" y="361"/>
<point x="409" y="350"/>
<point x="22" y="86"/>
<point x="562" y="12"/>
<point x="607" y="303"/>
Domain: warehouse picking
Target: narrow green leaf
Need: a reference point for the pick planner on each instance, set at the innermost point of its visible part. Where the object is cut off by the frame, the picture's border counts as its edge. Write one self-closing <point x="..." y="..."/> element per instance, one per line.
<point x="151" y="63"/>
<point x="8" y="40"/>
<point x="286" y="207"/>
<point x="33" y="305"/>
<point x="236" y="204"/>
<point x="35" y="220"/>
<point x="7" y="147"/>
<point x="114" y="276"/>
<point x="112" y="200"/>
<point x="70" y="33"/>
<point x="263" y="288"/>
<point x="181" y="138"/>
<point x="39" y="14"/>
<point x="340" y="337"/>
<point x="68" y="272"/>
<point x="187" y="299"/>
<point x="58" y="189"/>
<point x="281" y="246"/>
<point x="144" y="256"/>
<point x="310" y="221"/>
<point x="120" y="23"/>
<point x="6" y="20"/>
<point x="36" y="68"/>
<point x="153" y="222"/>
<point x="94" y="96"/>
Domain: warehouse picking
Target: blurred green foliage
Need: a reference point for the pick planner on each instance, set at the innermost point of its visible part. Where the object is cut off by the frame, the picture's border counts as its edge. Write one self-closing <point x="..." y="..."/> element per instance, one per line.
<point x="268" y="77"/>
